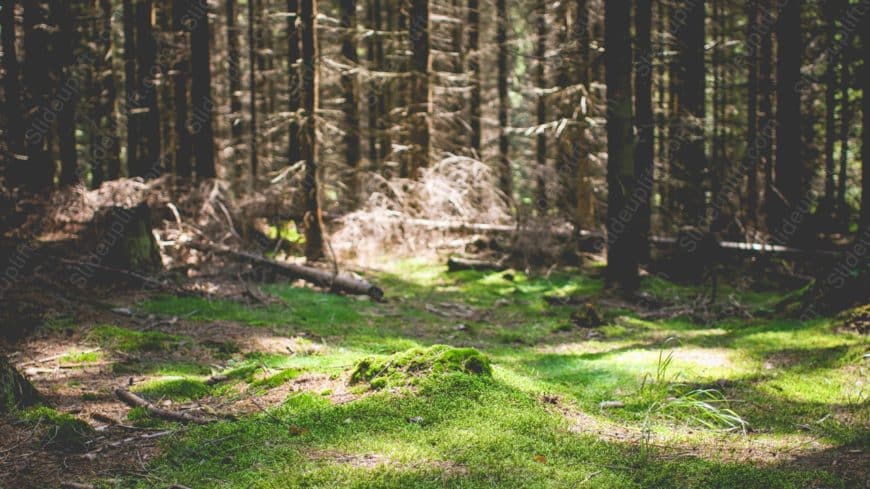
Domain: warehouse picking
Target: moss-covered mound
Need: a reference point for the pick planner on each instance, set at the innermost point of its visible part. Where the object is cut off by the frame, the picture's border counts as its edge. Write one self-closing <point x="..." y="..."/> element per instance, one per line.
<point x="406" y="367"/>
<point x="58" y="430"/>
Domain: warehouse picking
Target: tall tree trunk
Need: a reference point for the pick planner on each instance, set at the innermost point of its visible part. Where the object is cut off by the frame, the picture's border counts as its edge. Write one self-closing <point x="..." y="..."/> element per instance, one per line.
<point x="843" y="210"/>
<point x="691" y="161"/>
<point x="541" y="84"/>
<point x="419" y="112"/>
<point x="788" y="165"/>
<point x="181" y="68"/>
<point x="585" y="218"/>
<point x="385" y="94"/>
<point x="200" y="93"/>
<point x="149" y="164"/>
<point x="474" y="75"/>
<point x="293" y="79"/>
<point x="830" y="11"/>
<point x="865" y="136"/>
<point x="108" y="154"/>
<point x="12" y="94"/>
<point x="349" y="86"/>
<point x="130" y="87"/>
<point x="644" y="151"/>
<point x="37" y="175"/>
<point x="766" y="120"/>
<point x="581" y="37"/>
<point x="310" y="74"/>
<point x="252" y="95"/>
<point x="504" y="163"/>
<point x="235" y="83"/>
<point x="373" y="19"/>
<point x="622" y="256"/>
<point x="64" y="16"/>
<point x="752" y="141"/>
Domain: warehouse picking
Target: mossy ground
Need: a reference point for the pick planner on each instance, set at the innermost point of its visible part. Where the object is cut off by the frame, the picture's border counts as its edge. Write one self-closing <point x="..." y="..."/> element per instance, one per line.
<point x="515" y="399"/>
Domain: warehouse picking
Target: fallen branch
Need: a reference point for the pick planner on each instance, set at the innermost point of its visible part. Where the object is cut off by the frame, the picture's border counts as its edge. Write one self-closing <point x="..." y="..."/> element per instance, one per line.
<point x="455" y="264"/>
<point x="135" y="401"/>
<point x="337" y="282"/>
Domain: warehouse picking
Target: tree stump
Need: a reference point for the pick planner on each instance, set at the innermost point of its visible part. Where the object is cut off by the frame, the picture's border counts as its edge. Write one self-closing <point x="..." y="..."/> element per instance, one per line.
<point x="125" y="241"/>
<point x="15" y="390"/>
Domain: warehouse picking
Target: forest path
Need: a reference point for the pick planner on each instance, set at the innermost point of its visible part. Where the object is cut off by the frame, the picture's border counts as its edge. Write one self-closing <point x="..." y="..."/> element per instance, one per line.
<point x="290" y="353"/>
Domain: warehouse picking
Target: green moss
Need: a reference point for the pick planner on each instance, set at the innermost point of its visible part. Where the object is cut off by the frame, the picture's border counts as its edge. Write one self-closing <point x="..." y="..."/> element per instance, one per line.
<point x="278" y="379"/>
<point x="82" y="357"/>
<point x="56" y="429"/>
<point x="183" y="389"/>
<point x="109" y="336"/>
<point x="404" y="367"/>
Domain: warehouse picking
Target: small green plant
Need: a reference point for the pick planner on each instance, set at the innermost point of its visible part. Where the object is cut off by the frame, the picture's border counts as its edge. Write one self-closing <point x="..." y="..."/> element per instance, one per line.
<point x="109" y="336"/>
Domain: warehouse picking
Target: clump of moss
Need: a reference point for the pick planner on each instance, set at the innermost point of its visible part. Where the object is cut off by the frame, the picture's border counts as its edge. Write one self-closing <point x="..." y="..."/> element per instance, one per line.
<point x="121" y="339"/>
<point x="405" y="367"/>
<point x="856" y="319"/>
<point x="278" y="379"/>
<point x="56" y="429"/>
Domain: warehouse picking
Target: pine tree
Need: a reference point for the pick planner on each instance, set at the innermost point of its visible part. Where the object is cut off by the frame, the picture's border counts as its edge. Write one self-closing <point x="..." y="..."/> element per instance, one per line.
<point x="644" y="151"/>
<point x="310" y="77"/>
<point x="419" y="113"/>
<point x="350" y="91"/>
<point x="200" y="91"/>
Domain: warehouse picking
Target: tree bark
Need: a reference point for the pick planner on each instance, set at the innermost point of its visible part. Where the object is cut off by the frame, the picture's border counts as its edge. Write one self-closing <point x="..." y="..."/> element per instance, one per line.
<point x="181" y="68"/>
<point x="830" y="12"/>
<point x="843" y="210"/>
<point x="789" y="151"/>
<point x="865" y="136"/>
<point x="235" y="84"/>
<point x="149" y="164"/>
<point x="419" y="113"/>
<point x="310" y="77"/>
<point x="108" y="155"/>
<point x="644" y="151"/>
<point x="252" y="96"/>
<point x="15" y="391"/>
<point x="541" y="84"/>
<point x="130" y="90"/>
<point x="752" y="142"/>
<point x="67" y="93"/>
<point x="474" y="76"/>
<point x="766" y="120"/>
<point x="293" y="79"/>
<point x="504" y="164"/>
<point x="12" y="93"/>
<point x="622" y="257"/>
<point x="350" y="88"/>
<point x="37" y="173"/>
<point x="200" y="92"/>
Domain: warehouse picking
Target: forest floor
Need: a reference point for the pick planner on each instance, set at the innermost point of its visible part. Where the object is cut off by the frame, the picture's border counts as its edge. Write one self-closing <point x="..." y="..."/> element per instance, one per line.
<point x="749" y="401"/>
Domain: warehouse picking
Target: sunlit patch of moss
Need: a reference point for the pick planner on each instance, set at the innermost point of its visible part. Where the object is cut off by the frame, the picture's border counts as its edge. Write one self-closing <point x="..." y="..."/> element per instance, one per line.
<point x="278" y="379"/>
<point x="114" y="337"/>
<point x="176" y="389"/>
<point x="56" y="429"/>
<point x="79" y="357"/>
<point x="406" y="367"/>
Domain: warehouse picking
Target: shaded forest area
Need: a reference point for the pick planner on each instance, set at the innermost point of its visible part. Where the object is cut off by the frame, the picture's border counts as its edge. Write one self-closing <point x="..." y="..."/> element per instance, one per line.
<point x="240" y="212"/>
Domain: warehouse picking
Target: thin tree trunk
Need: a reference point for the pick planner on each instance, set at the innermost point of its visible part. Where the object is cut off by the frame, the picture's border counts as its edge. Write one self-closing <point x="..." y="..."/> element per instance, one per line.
<point x="385" y="93"/>
<point x="373" y="11"/>
<point x="183" y="148"/>
<point x="766" y="121"/>
<point x="644" y="152"/>
<point x="65" y="38"/>
<point x="310" y="73"/>
<point x="149" y="164"/>
<point x="200" y="93"/>
<point x="419" y="112"/>
<point x="541" y="84"/>
<point x="865" y="137"/>
<point x="581" y="35"/>
<point x="504" y="170"/>
<point x="12" y="93"/>
<point x="474" y="75"/>
<point x="752" y="141"/>
<point x="235" y="85"/>
<point x="622" y="257"/>
<point x="131" y="92"/>
<point x="108" y="154"/>
<point x="585" y="218"/>
<point x="252" y="95"/>
<point x="293" y="79"/>
<point x="843" y="210"/>
<point x="830" y="11"/>
<point x="349" y="86"/>
<point x="37" y="174"/>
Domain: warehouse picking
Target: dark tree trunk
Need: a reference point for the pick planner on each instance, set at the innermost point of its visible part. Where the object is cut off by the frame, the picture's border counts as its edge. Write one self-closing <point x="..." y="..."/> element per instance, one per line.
<point x="752" y="142"/>
<point x="830" y="11"/>
<point x="149" y="164"/>
<point x="622" y="257"/>
<point x="541" y="84"/>
<point x="386" y="91"/>
<point x="350" y="89"/>
<point x="374" y="21"/>
<point x="310" y="74"/>
<point x="474" y="75"/>
<point x="130" y="89"/>
<point x="200" y="92"/>
<point x="421" y="90"/>
<point x="843" y="210"/>
<point x="12" y="93"/>
<point x="108" y="153"/>
<point x="504" y="168"/>
<point x="581" y="37"/>
<point x="585" y="197"/>
<point x="67" y="92"/>
<point x="766" y="120"/>
<point x="691" y="161"/>
<point x="644" y="151"/>
<point x="183" y="144"/>
<point x="788" y="165"/>
<point x="252" y="95"/>
<point x="865" y="137"/>
<point x="37" y="173"/>
<point x="293" y="80"/>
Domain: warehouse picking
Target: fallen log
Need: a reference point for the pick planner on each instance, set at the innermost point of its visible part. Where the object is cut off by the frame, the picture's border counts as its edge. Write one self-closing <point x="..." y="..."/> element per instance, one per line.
<point x="340" y="282"/>
<point x="455" y="264"/>
<point x="135" y="401"/>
